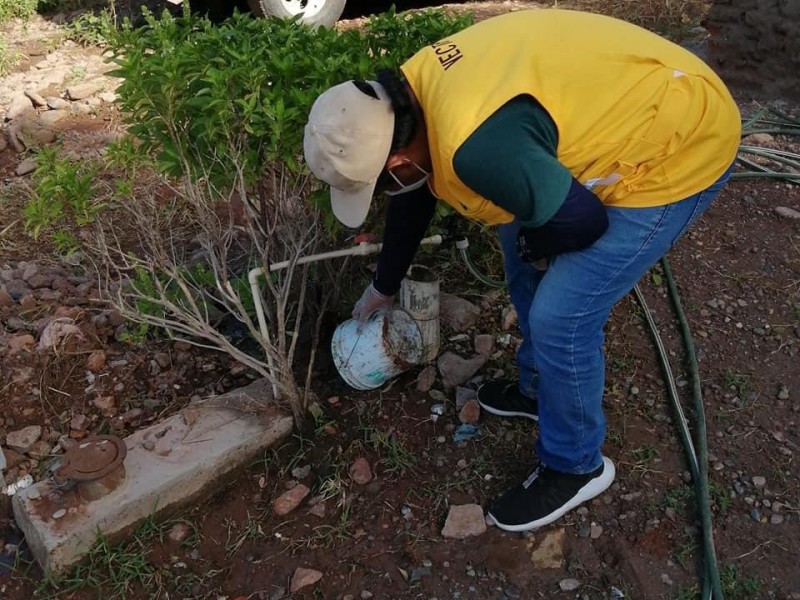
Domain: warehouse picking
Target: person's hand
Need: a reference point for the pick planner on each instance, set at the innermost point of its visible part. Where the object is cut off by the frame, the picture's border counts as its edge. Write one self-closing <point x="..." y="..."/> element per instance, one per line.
<point x="371" y="300"/>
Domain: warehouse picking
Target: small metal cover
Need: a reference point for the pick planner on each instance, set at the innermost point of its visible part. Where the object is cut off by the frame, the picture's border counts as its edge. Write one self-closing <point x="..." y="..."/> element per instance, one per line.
<point x="92" y="458"/>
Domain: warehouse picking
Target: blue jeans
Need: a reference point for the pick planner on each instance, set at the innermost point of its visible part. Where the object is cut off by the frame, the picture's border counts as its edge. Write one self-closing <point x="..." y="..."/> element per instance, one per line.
<point x="562" y="312"/>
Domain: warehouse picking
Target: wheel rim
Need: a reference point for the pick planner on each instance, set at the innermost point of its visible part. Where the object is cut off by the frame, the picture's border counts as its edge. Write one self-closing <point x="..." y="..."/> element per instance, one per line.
<point x="308" y="7"/>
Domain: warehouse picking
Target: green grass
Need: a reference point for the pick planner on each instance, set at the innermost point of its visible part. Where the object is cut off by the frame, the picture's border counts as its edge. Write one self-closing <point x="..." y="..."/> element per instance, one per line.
<point x="737" y="585"/>
<point x="740" y="381"/>
<point x="112" y="571"/>
<point x="395" y="457"/>
<point x="676" y="498"/>
<point x="17" y="9"/>
<point x="8" y="58"/>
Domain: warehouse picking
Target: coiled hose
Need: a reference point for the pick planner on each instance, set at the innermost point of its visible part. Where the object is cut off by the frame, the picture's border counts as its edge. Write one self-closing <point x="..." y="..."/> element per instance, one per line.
<point x="767" y="120"/>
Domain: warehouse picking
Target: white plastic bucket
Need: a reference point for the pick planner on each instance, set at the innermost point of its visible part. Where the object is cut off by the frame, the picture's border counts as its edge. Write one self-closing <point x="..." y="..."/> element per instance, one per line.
<point x="419" y="295"/>
<point x="389" y="343"/>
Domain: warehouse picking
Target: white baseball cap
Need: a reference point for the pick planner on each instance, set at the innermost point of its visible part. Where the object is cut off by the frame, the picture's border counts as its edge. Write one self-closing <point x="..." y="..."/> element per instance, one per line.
<point x="347" y="142"/>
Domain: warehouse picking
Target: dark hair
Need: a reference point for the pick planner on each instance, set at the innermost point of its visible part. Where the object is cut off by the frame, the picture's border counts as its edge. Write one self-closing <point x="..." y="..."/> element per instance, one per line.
<point x="406" y="120"/>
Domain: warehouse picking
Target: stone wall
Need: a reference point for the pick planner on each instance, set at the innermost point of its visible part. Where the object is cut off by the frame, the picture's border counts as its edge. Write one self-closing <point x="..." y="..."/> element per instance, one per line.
<point x="755" y="46"/>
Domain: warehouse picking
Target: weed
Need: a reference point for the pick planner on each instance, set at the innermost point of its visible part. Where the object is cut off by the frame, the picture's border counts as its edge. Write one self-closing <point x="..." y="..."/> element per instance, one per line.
<point x="92" y="29"/>
<point x="676" y="498"/>
<point x="691" y="593"/>
<point x="113" y="571"/>
<point x="685" y="552"/>
<point x="251" y="531"/>
<point x="326" y="536"/>
<point x="738" y="381"/>
<point x="16" y="9"/>
<point x="395" y="457"/>
<point x="77" y="73"/>
<point x="645" y="454"/>
<point x="63" y="194"/>
<point x="737" y="586"/>
<point x="8" y="58"/>
<point x="720" y="498"/>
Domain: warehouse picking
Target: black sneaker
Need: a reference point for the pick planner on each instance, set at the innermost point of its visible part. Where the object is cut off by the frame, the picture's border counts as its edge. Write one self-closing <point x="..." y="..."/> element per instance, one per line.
<point x="546" y="495"/>
<point x="502" y="397"/>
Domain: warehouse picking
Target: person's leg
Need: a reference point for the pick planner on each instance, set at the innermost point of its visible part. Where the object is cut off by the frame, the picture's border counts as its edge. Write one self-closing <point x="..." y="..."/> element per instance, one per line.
<point x="507" y="397"/>
<point x="566" y="321"/>
<point x="522" y="280"/>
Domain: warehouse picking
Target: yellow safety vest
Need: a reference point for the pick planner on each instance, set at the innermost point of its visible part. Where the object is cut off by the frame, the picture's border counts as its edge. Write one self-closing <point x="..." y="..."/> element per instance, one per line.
<point x="641" y="121"/>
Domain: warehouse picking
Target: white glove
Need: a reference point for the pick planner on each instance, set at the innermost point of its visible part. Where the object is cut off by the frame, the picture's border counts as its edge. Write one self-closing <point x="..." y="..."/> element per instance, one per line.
<point x="371" y="301"/>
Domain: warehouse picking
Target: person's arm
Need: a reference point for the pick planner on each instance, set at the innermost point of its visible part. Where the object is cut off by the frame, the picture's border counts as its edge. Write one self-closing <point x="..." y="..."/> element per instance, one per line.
<point x="511" y="160"/>
<point x="407" y="219"/>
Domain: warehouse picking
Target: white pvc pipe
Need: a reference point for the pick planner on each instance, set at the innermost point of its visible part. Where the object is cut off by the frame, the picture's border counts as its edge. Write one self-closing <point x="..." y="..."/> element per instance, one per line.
<point x="362" y="249"/>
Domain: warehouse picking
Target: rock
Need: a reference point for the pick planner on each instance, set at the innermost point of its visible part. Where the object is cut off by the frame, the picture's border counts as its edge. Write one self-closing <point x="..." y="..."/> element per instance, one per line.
<point x="30" y="270"/>
<point x="508" y="318"/>
<point x="464" y="521"/>
<point x="105" y="404"/>
<point x="28" y="131"/>
<point x="22" y="440"/>
<point x="36" y="98"/>
<point x="464" y="395"/>
<point x="3" y="143"/>
<point x="470" y="412"/>
<point x="179" y="532"/>
<point x="318" y="510"/>
<point x="426" y="378"/>
<point x="40" y="281"/>
<point x="77" y="108"/>
<point x="163" y="359"/>
<point x="19" y="104"/>
<point x="51" y="117"/>
<point x="758" y="139"/>
<point x="303" y="578"/>
<point x="6" y="300"/>
<point x="595" y="532"/>
<point x="12" y="458"/>
<point x="458" y="314"/>
<point x="288" y="501"/>
<point x="17" y="288"/>
<point x="109" y="97"/>
<point x="484" y="344"/>
<point x="787" y="213"/>
<point x="783" y="393"/>
<point x="360" y="471"/>
<point x="550" y="553"/>
<point x="82" y="91"/>
<point x="40" y="450"/>
<point x="57" y="103"/>
<point x="759" y="481"/>
<point x="96" y="361"/>
<point x="22" y="342"/>
<point x="3" y="464"/>
<point x="79" y="422"/>
<point x="569" y="585"/>
<point x="61" y="512"/>
<point x="301" y="472"/>
<point x="776" y="519"/>
<point x="456" y="370"/>
<point x="26" y="166"/>
<point x="57" y="331"/>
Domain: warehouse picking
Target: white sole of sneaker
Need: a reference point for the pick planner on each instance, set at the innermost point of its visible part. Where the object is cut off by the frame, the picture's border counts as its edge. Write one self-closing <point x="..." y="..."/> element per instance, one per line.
<point x="507" y="413"/>
<point x="594" y="488"/>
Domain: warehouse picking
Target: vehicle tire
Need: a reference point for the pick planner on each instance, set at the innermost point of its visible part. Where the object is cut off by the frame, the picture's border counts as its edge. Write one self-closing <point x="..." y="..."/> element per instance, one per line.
<point x="315" y="12"/>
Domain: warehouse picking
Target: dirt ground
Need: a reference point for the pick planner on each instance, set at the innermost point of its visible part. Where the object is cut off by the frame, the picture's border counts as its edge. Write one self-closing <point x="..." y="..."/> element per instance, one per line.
<point x="738" y="273"/>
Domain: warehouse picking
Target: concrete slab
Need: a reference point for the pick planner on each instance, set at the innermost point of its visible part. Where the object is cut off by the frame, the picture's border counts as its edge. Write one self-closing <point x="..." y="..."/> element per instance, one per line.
<point x="168" y="465"/>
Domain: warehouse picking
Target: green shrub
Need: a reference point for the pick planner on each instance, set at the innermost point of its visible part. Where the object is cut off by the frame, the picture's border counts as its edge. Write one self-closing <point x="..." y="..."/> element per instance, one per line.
<point x="92" y="28"/>
<point x="16" y="9"/>
<point x="63" y="195"/>
<point x="201" y="97"/>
